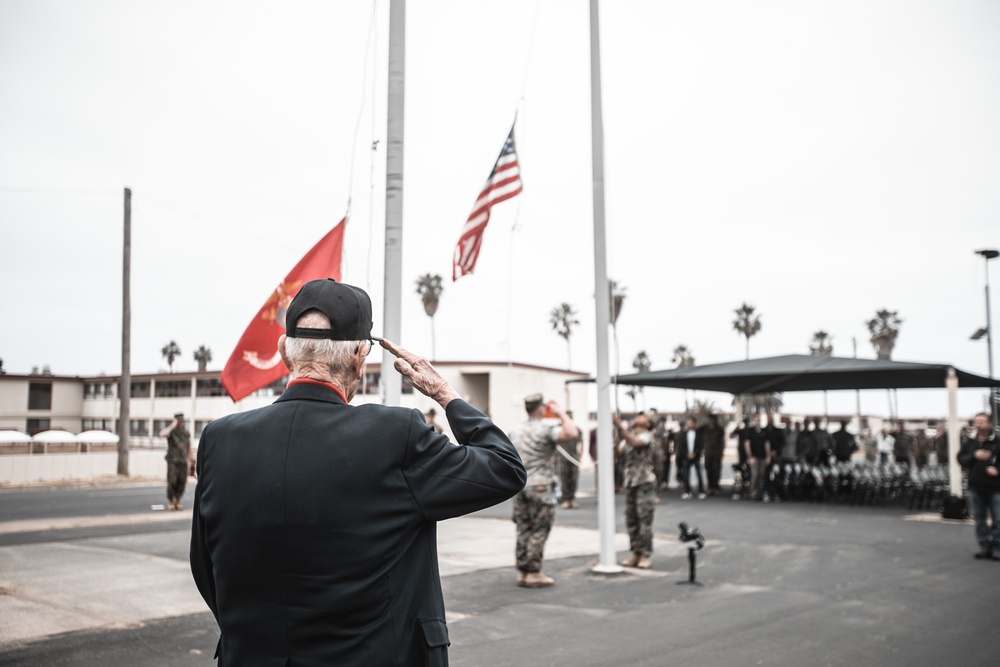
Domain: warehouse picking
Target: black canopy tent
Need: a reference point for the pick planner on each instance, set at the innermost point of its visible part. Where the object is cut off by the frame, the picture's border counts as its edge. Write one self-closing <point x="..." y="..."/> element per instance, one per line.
<point x="800" y="372"/>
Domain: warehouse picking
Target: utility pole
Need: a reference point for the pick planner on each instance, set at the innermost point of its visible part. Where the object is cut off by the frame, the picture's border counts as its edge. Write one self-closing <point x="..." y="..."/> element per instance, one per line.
<point x="125" y="382"/>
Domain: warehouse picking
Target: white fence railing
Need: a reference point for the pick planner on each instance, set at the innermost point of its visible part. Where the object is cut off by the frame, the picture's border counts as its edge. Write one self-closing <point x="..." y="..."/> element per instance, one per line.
<point x="16" y="469"/>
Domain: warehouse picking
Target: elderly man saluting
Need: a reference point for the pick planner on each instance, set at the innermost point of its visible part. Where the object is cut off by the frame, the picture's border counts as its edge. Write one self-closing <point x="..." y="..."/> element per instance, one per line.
<point x="314" y="531"/>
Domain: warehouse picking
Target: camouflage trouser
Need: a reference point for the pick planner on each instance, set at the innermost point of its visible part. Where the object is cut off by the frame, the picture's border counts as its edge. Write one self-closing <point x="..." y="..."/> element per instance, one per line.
<point x="177" y="477"/>
<point x="534" y="513"/>
<point x="569" y="474"/>
<point x="639" y="504"/>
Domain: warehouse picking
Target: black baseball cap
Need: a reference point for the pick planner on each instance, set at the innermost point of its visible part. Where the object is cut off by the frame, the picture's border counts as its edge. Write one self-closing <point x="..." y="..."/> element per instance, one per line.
<point x="348" y="308"/>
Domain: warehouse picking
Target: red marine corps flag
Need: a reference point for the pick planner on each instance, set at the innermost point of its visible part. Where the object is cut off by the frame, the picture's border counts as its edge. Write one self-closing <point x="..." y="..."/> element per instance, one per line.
<point x="504" y="182"/>
<point x="255" y="362"/>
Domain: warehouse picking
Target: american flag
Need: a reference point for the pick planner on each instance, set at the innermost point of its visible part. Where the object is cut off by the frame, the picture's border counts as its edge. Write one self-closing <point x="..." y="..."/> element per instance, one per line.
<point x="504" y="182"/>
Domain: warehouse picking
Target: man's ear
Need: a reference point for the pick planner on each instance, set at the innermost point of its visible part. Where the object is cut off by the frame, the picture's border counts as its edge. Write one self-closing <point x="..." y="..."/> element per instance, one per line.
<point x="284" y="355"/>
<point x="360" y="357"/>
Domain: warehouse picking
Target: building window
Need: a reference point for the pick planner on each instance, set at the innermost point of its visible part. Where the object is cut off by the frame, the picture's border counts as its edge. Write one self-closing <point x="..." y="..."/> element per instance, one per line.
<point x="138" y="427"/>
<point x="139" y="390"/>
<point x="108" y="390"/>
<point x="99" y="425"/>
<point x="173" y="388"/>
<point x="370" y="383"/>
<point x="39" y="396"/>
<point x="210" y="388"/>
<point x="37" y="426"/>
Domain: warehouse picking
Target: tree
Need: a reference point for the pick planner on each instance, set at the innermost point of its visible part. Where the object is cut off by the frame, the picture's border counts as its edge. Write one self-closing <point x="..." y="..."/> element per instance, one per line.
<point x="170" y="352"/>
<point x="884" y="329"/>
<point x="702" y="411"/>
<point x="563" y="319"/>
<point x="429" y="288"/>
<point x="641" y="363"/>
<point x="747" y="322"/>
<point x="757" y="403"/>
<point x="203" y="356"/>
<point x="683" y="358"/>
<point x="822" y="344"/>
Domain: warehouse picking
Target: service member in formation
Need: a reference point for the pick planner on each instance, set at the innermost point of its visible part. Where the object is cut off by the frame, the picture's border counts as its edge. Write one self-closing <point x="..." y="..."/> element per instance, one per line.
<point x="640" y="488"/>
<point x="535" y="505"/>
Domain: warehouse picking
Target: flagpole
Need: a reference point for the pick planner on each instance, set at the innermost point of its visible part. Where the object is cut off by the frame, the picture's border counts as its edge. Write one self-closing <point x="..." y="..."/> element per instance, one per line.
<point x="391" y="382"/>
<point x="605" y="460"/>
<point x="125" y="382"/>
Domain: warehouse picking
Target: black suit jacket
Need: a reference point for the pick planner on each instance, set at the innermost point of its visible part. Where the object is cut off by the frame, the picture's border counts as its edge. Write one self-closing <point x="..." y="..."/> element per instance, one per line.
<point x="681" y="444"/>
<point x="314" y="538"/>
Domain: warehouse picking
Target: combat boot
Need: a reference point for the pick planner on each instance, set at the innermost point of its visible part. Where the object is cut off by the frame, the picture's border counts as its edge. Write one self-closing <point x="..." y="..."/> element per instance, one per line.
<point x="536" y="580"/>
<point x="645" y="563"/>
<point x="631" y="560"/>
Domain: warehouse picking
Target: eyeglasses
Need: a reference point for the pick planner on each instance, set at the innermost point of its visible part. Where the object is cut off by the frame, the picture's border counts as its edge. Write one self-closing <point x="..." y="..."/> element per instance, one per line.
<point x="371" y="344"/>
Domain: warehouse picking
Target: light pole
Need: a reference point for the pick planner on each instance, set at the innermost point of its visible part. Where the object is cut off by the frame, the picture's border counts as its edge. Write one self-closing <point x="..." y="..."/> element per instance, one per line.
<point x="988" y="254"/>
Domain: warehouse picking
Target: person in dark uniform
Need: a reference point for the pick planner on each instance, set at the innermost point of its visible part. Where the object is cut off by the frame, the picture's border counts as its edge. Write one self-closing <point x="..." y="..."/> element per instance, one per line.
<point x="844" y="444"/>
<point x="314" y="536"/>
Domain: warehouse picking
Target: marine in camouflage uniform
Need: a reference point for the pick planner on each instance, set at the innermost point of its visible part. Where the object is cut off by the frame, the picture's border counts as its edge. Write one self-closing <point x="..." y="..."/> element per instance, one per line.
<point x="535" y="505"/>
<point x="178" y="460"/>
<point x="640" y="489"/>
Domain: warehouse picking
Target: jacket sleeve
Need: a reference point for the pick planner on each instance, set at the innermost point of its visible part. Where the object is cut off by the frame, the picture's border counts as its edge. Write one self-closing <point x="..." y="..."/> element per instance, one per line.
<point x="201" y="560"/>
<point x="449" y="480"/>
<point x="966" y="454"/>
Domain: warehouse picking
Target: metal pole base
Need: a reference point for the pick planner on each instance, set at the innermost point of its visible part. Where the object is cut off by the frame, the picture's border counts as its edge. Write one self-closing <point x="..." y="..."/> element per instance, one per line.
<point x="691" y="569"/>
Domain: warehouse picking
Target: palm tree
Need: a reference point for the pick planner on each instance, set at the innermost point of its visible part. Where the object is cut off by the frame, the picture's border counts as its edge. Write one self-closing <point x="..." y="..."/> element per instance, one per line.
<point x="702" y="411"/>
<point x="170" y="352"/>
<point x="822" y="344"/>
<point x="747" y="322"/>
<point x="563" y="319"/>
<point x="884" y="328"/>
<point x="757" y="403"/>
<point x="683" y="358"/>
<point x="202" y="355"/>
<point x="429" y="288"/>
<point x="641" y="363"/>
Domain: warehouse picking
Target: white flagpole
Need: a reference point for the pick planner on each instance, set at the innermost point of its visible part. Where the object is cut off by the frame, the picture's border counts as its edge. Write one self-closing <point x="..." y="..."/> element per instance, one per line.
<point x="391" y="382"/>
<point x="605" y="459"/>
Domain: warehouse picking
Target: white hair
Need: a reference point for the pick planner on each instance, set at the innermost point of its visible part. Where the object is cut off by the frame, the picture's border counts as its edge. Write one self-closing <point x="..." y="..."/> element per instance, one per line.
<point x="336" y="356"/>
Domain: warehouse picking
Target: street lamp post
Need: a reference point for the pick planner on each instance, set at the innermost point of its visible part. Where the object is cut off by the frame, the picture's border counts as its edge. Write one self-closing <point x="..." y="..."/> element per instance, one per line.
<point x="988" y="254"/>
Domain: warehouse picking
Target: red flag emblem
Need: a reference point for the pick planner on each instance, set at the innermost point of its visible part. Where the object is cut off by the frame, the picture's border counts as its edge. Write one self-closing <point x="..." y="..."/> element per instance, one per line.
<point x="255" y="362"/>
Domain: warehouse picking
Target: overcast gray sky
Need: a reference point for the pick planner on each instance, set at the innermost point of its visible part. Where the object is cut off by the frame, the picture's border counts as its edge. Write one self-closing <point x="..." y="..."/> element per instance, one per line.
<point x="819" y="160"/>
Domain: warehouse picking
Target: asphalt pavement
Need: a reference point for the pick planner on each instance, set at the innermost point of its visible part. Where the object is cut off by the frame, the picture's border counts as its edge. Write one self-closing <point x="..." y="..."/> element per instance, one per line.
<point x="99" y="577"/>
